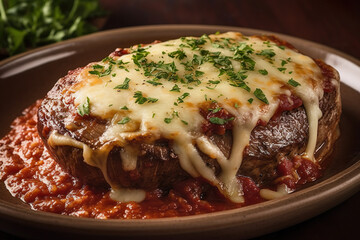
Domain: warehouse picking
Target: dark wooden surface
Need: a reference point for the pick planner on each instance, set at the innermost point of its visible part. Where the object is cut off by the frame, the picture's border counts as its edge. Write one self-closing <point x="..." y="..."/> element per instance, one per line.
<point x="332" y="23"/>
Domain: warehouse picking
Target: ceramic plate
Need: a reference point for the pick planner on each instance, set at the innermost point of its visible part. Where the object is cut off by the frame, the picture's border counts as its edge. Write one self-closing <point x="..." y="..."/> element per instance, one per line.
<point x="27" y="77"/>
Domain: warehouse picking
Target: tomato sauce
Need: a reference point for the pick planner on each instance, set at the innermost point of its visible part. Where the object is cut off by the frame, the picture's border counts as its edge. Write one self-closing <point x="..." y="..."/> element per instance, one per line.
<point x="31" y="174"/>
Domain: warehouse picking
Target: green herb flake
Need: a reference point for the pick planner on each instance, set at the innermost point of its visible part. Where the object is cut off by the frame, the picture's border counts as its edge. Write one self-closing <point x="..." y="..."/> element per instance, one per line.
<point x="84" y="109"/>
<point x="263" y="72"/>
<point x="167" y="120"/>
<point x="198" y="73"/>
<point x="140" y="99"/>
<point x="175" y="88"/>
<point x="155" y="83"/>
<point x="281" y="47"/>
<point x="124" y="120"/>
<point x="250" y="100"/>
<point x="283" y="62"/>
<point x="215" y="110"/>
<point x="182" y="97"/>
<point x="180" y="54"/>
<point x="293" y="83"/>
<point x="259" y="94"/>
<point x="97" y="66"/>
<point x="268" y="53"/>
<point x="124" y="108"/>
<point x="125" y="85"/>
<point x="214" y="82"/>
<point x="282" y="70"/>
<point x="220" y="121"/>
<point x="184" y="122"/>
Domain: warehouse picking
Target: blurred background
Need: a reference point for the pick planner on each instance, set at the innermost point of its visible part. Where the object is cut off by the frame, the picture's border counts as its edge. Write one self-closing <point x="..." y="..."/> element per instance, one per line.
<point x="26" y="25"/>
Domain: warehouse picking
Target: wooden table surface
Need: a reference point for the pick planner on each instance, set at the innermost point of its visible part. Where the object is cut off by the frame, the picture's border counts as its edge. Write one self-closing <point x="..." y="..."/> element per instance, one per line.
<point x="332" y="23"/>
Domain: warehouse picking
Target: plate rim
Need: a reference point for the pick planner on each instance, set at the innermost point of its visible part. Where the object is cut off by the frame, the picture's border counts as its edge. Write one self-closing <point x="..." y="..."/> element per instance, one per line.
<point x="349" y="177"/>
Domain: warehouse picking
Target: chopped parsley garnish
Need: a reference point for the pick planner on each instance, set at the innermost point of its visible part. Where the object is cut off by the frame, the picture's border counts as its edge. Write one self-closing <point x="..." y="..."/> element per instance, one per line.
<point x="194" y="43"/>
<point x="259" y="94"/>
<point x="250" y="100"/>
<point x="282" y="70"/>
<point x="283" y="62"/>
<point x="161" y="70"/>
<point x="214" y="82"/>
<point x="184" y="122"/>
<point x="180" y="54"/>
<point x="122" y="64"/>
<point x="124" y="120"/>
<point x="125" y="85"/>
<point x="293" y="83"/>
<point x="84" y="109"/>
<point x="237" y="79"/>
<point x="97" y="66"/>
<point x="155" y="83"/>
<point x="167" y="120"/>
<point x="216" y="45"/>
<point x="124" y="108"/>
<point x="281" y="47"/>
<point x="215" y="110"/>
<point x="139" y="56"/>
<point x="220" y="121"/>
<point x="175" y="88"/>
<point x="268" y="53"/>
<point x="140" y="99"/>
<point x="102" y="72"/>
<point x="182" y="97"/>
<point x="198" y="73"/>
<point x="263" y="72"/>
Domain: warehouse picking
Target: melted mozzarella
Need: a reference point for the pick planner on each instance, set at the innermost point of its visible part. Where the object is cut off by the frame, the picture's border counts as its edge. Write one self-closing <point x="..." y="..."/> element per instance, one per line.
<point x="175" y="114"/>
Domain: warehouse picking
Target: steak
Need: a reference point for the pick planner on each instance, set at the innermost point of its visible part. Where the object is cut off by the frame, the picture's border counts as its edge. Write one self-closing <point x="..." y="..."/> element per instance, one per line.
<point x="284" y="136"/>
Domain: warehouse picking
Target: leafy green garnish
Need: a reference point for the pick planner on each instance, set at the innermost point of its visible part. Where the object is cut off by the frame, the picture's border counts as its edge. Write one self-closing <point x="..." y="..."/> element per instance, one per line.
<point x="167" y="120"/>
<point x="125" y="85"/>
<point x="175" y="88"/>
<point x="260" y="95"/>
<point x="103" y="72"/>
<point x="215" y="110"/>
<point x="180" y="54"/>
<point x="220" y="121"/>
<point x="293" y="83"/>
<point x="124" y="120"/>
<point x="182" y="97"/>
<point x="268" y="53"/>
<point x="140" y="99"/>
<point x="84" y="109"/>
<point x="282" y="70"/>
<point x="28" y="24"/>
<point x="263" y="72"/>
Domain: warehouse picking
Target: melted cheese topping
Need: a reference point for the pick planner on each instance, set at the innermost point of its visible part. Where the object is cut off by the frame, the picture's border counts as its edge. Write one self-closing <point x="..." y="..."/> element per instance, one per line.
<point x="156" y="92"/>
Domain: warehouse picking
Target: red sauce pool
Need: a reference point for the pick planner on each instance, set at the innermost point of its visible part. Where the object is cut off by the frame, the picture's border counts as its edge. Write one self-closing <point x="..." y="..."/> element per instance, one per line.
<point x="31" y="174"/>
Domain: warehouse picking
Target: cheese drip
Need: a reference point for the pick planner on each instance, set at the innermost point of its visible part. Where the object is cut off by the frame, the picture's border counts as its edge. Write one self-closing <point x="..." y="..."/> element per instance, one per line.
<point x="98" y="158"/>
<point x="156" y="91"/>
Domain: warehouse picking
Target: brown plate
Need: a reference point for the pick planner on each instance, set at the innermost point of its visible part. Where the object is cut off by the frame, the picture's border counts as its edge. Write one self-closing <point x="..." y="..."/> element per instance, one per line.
<point x="27" y="77"/>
